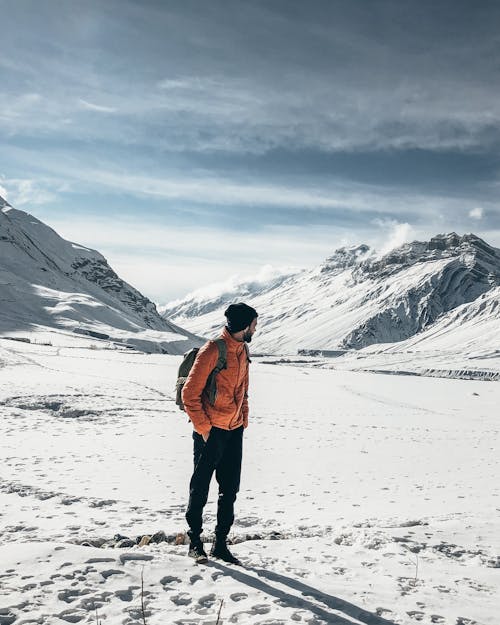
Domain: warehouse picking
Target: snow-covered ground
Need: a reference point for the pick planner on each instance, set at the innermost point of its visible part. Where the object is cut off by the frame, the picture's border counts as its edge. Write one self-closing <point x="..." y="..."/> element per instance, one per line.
<point x="365" y="498"/>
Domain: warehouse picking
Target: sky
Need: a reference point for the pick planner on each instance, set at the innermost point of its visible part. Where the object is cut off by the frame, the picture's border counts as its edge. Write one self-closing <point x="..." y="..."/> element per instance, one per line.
<point x="191" y="142"/>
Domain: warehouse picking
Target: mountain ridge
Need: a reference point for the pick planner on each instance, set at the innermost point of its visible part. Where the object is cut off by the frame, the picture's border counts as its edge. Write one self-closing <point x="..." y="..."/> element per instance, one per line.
<point x="49" y="281"/>
<point x="357" y="298"/>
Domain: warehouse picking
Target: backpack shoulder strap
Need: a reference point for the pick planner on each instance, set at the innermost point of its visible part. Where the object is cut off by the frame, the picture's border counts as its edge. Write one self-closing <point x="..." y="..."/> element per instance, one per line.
<point x="222" y="360"/>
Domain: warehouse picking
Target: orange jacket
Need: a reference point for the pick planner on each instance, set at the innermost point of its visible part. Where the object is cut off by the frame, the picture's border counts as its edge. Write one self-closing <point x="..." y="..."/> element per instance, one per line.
<point x="230" y="410"/>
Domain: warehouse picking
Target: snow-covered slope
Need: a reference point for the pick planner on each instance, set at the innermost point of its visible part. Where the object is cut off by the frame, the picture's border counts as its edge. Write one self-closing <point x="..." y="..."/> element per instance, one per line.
<point x="216" y="296"/>
<point x="356" y="299"/>
<point x="463" y="343"/>
<point x="48" y="283"/>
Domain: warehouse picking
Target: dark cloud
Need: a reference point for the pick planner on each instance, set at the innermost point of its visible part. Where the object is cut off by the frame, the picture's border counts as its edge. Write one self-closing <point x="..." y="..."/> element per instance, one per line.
<point x="392" y="99"/>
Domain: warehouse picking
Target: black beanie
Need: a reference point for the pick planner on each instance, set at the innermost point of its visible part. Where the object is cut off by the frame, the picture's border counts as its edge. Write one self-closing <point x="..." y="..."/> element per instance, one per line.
<point x="239" y="316"/>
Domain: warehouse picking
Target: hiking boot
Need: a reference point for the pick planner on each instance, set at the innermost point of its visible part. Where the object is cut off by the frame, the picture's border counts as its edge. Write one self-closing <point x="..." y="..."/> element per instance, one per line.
<point x="219" y="550"/>
<point x="197" y="552"/>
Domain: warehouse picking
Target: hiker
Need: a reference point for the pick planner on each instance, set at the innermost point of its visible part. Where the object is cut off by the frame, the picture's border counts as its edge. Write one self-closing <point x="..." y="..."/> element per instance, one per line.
<point x="218" y="427"/>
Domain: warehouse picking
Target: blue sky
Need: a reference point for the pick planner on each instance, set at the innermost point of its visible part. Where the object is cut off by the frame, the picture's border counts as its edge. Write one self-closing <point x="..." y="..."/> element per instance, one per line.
<point x="190" y="141"/>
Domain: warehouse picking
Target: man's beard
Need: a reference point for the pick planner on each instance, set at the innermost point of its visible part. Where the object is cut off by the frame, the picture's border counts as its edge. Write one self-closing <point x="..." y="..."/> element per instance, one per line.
<point x="247" y="337"/>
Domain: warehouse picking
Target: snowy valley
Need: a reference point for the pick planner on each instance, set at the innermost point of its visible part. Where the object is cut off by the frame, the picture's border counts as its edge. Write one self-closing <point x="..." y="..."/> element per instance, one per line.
<point x="366" y="498"/>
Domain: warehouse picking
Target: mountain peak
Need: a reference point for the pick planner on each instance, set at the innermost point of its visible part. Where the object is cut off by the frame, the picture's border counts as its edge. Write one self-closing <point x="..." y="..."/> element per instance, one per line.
<point x="452" y="240"/>
<point x="4" y="203"/>
<point x="358" y="298"/>
<point x="440" y="246"/>
<point x="344" y="257"/>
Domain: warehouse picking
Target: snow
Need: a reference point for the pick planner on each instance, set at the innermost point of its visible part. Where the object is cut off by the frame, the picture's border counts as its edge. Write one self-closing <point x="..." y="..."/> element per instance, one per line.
<point x="213" y="296"/>
<point x="52" y="286"/>
<point x="427" y="294"/>
<point x="365" y="498"/>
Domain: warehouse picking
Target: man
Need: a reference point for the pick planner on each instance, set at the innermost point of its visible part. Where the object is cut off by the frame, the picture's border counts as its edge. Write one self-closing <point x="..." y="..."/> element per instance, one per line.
<point x="218" y="429"/>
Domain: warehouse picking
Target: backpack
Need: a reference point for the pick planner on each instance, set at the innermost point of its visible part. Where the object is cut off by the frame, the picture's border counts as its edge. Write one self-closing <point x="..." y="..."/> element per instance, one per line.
<point x="186" y="366"/>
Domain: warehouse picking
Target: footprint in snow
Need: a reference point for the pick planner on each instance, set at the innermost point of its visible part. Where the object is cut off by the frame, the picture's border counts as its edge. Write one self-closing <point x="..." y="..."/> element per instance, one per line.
<point x="69" y="595"/>
<point x="89" y="603"/>
<point x="195" y="578"/>
<point x="169" y="579"/>
<point x="216" y="575"/>
<point x="126" y="594"/>
<point x="260" y="608"/>
<point x="207" y="601"/>
<point x="238" y="596"/>
<point x="242" y="617"/>
<point x="71" y="616"/>
<point x="182" y="598"/>
<point x="205" y="604"/>
<point x="7" y="617"/>
<point x="110" y="572"/>
<point x="125" y="557"/>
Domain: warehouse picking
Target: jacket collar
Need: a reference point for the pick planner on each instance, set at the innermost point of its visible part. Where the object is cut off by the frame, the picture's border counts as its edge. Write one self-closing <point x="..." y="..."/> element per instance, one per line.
<point x="231" y="342"/>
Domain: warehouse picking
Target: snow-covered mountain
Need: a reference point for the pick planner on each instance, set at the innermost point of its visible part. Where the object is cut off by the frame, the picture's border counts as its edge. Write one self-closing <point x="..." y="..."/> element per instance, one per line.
<point x="213" y="297"/>
<point x="356" y="299"/>
<point x="48" y="283"/>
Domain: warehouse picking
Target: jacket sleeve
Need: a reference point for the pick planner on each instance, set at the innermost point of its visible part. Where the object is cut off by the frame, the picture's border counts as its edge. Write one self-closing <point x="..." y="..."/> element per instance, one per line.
<point x="193" y="388"/>
<point x="244" y="405"/>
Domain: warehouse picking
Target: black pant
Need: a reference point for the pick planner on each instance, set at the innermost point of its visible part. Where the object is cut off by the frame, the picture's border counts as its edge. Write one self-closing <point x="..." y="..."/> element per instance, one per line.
<point x="222" y="454"/>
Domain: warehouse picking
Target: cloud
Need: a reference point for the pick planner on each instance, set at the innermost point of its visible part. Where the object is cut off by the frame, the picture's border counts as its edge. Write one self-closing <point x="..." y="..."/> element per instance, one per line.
<point x="261" y="277"/>
<point x="222" y="103"/>
<point x="199" y="188"/>
<point x="96" y="107"/>
<point x="3" y="192"/>
<point x="217" y="191"/>
<point x="476" y="213"/>
<point x="26" y="192"/>
<point x="197" y="244"/>
<point x="396" y="234"/>
<point x="250" y="117"/>
<point x="201" y="192"/>
<point x="166" y="262"/>
<point x="228" y="94"/>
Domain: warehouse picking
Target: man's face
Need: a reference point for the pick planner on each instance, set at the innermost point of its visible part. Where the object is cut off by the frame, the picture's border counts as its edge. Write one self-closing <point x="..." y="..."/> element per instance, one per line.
<point x="247" y="337"/>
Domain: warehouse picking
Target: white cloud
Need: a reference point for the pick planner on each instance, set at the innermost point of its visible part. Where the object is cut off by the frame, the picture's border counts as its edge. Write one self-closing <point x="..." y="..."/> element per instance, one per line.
<point x="24" y="191"/>
<point x="396" y="234"/>
<point x="199" y="244"/>
<point x="476" y="213"/>
<point x="96" y="107"/>
<point x="236" y="282"/>
<point x="167" y="262"/>
<point x="217" y="191"/>
<point x="193" y="83"/>
<point x="3" y="192"/>
<point x="189" y="112"/>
